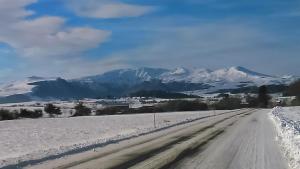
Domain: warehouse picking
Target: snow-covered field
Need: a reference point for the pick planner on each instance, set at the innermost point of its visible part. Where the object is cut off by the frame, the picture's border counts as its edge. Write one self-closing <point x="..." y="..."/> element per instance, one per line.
<point x="28" y="139"/>
<point x="287" y="122"/>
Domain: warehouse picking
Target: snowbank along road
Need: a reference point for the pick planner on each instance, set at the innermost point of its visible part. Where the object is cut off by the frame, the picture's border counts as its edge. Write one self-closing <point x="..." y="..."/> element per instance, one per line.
<point x="237" y="140"/>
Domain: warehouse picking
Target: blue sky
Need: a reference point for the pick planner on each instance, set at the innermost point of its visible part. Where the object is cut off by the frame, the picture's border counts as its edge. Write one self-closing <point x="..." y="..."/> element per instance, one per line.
<point x="74" y="38"/>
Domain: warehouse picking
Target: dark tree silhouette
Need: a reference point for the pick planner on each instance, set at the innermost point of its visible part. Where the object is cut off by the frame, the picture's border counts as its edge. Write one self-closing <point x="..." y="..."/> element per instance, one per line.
<point x="228" y="103"/>
<point x="8" y="115"/>
<point x="263" y="97"/>
<point x="252" y="101"/>
<point x="52" y="110"/>
<point x="31" y="113"/>
<point x="294" y="89"/>
<point x="81" y="110"/>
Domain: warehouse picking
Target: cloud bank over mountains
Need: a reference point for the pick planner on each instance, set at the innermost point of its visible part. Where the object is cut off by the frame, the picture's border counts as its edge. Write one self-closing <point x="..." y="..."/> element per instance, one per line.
<point x="74" y="38"/>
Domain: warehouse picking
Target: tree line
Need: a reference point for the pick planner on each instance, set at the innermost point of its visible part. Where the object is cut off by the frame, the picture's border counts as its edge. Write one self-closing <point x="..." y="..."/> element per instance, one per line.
<point x="262" y="100"/>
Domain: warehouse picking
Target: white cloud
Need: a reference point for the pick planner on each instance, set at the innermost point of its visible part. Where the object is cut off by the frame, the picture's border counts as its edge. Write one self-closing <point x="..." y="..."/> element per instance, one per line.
<point x="107" y="9"/>
<point x="80" y="67"/>
<point x="12" y="10"/>
<point x="45" y="36"/>
<point x="67" y="68"/>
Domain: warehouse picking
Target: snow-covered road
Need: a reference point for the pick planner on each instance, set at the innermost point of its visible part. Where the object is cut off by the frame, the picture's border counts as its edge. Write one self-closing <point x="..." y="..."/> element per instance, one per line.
<point x="249" y="144"/>
<point x="242" y="139"/>
<point x="161" y="149"/>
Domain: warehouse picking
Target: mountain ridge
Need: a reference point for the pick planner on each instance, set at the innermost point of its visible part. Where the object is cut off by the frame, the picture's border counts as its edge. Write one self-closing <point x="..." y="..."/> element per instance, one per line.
<point x="198" y="75"/>
<point x="123" y="81"/>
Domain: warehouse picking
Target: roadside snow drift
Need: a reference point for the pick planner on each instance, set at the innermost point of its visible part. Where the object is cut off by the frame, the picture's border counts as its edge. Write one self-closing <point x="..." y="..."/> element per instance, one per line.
<point x="287" y="122"/>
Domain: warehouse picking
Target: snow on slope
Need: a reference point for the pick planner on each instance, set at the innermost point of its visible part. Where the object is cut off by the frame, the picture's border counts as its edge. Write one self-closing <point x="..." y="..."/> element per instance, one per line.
<point x="228" y="78"/>
<point x="127" y="76"/>
<point x="227" y="75"/>
<point x="27" y="139"/>
<point x="20" y="87"/>
<point x="287" y="122"/>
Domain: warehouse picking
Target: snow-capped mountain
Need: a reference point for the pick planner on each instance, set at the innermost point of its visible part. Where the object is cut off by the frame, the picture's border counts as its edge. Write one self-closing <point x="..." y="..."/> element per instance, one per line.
<point x="233" y="76"/>
<point x="124" y="81"/>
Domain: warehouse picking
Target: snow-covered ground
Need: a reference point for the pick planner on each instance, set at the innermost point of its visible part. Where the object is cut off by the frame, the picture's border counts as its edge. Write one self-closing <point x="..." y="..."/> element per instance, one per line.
<point x="287" y="122"/>
<point x="28" y="139"/>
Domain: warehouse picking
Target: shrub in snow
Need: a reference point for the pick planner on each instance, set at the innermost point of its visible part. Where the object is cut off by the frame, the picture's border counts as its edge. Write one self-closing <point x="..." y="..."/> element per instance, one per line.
<point x="171" y="106"/>
<point x="30" y="114"/>
<point x="81" y="110"/>
<point x="146" y="109"/>
<point x="183" y="105"/>
<point x="110" y="111"/>
<point x="7" y="115"/>
<point x="52" y="110"/>
<point x="124" y="110"/>
<point x="228" y="103"/>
